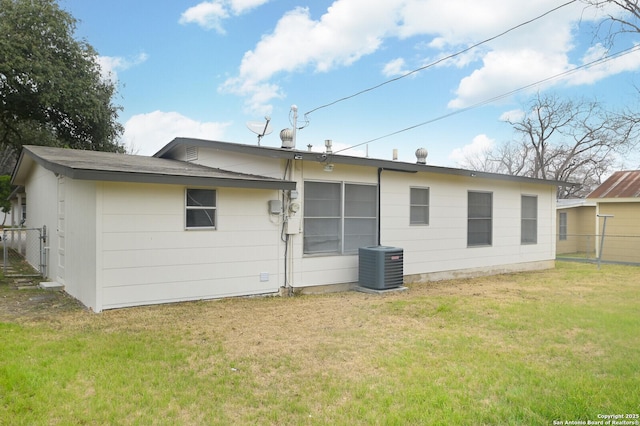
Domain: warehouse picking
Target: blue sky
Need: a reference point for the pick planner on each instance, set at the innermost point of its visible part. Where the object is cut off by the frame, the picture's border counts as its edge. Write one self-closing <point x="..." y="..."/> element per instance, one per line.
<point x="205" y="68"/>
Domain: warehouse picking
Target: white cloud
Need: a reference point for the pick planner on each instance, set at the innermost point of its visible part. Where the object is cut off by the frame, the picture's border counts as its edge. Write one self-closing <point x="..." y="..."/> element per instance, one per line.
<point x="242" y="6"/>
<point x="476" y="150"/>
<point x="210" y="14"/>
<point x="344" y="34"/>
<point x="394" y="68"/>
<point x="504" y="71"/>
<point x="616" y="65"/>
<point x="110" y="65"/>
<point x="146" y="134"/>
<point x="512" y="115"/>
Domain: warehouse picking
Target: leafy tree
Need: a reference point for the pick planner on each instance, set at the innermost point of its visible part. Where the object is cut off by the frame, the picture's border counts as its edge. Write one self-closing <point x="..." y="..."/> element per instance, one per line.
<point x="5" y="192"/>
<point x="565" y="140"/>
<point x="51" y="90"/>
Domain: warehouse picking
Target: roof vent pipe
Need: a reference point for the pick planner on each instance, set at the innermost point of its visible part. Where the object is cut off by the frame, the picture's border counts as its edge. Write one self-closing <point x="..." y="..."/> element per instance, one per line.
<point x="328" y="143"/>
<point x="286" y="136"/>
<point x="395" y="154"/>
<point x="421" y="155"/>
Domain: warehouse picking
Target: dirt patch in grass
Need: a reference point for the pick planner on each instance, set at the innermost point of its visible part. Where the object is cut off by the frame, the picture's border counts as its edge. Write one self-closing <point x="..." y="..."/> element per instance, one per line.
<point x="22" y="301"/>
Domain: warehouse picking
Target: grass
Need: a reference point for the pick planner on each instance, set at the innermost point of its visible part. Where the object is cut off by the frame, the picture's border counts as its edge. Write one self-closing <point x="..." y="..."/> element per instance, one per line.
<point x="515" y="349"/>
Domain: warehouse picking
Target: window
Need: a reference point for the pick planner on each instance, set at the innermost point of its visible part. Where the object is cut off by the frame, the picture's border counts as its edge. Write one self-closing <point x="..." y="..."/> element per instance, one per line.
<point x="360" y="216"/>
<point x="479" y="218"/>
<point x="200" y="208"/>
<point x="562" y="226"/>
<point x="339" y="218"/>
<point x="529" y="220"/>
<point x="322" y="217"/>
<point x="419" y="205"/>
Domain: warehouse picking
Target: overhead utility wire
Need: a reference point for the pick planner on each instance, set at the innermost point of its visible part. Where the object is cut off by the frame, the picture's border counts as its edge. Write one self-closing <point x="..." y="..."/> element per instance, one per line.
<point x="453" y="55"/>
<point x="498" y="97"/>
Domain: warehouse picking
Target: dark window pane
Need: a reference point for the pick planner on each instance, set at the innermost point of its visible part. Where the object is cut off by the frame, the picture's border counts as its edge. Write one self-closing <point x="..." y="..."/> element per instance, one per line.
<point x="479" y="205"/>
<point x="201" y="218"/>
<point x="359" y="233"/>
<point x="420" y="196"/>
<point x="321" y="235"/>
<point x="479" y="232"/>
<point x="419" y="215"/>
<point x="321" y="199"/>
<point x="201" y="197"/>
<point x="360" y="201"/>
<point x="529" y="231"/>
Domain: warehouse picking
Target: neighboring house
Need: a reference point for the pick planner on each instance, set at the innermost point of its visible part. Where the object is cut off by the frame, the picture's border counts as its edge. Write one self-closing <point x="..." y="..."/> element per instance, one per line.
<point x="205" y="219"/>
<point x="581" y="222"/>
<point x="576" y="227"/>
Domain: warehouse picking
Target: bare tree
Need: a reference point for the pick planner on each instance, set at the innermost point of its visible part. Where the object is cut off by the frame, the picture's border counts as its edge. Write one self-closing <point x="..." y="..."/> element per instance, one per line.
<point x="564" y="140"/>
<point x="623" y="16"/>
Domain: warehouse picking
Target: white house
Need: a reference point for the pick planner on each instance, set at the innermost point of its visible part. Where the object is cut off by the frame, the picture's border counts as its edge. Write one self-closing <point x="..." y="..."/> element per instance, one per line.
<point x="205" y="219"/>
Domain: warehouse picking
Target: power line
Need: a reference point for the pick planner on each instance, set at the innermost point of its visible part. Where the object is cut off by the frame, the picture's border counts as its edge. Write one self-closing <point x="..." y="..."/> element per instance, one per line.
<point x="438" y="61"/>
<point x="501" y="96"/>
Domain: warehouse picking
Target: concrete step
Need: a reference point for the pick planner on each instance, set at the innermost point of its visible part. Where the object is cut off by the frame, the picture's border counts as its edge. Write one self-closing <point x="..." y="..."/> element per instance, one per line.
<point x="51" y="285"/>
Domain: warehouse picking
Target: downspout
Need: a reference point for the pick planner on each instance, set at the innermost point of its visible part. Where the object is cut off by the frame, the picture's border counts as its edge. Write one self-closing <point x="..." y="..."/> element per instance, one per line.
<point x="378" y="212"/>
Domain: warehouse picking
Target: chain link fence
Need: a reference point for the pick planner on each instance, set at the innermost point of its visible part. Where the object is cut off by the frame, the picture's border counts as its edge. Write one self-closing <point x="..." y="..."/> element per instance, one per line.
<point x="24" y="252"/>
<point x="624" y="249"/>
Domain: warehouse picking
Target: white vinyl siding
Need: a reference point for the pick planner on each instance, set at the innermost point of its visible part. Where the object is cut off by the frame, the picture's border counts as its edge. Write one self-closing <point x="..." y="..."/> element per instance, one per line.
<point x="479" y="218"/>
<point x="146" y="257"/>
<point x="529" y="220"/>
<point x="419" y="206"/>
<point x="339" y="217"/>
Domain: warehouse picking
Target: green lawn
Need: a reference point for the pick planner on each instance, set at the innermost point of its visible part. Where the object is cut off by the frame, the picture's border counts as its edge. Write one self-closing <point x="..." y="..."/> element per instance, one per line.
<point x="522" y="349"/>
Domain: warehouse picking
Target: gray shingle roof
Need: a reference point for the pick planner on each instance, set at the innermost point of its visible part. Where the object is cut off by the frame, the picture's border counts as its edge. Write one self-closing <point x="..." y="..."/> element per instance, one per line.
<point x="106" y="166"/>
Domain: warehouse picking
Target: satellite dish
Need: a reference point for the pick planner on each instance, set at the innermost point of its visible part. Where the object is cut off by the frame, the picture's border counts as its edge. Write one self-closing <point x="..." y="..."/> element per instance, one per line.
<point x="260" y="128"/>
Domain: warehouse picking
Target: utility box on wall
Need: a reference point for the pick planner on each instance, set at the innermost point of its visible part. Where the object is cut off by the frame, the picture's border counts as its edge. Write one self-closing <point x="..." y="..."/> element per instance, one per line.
<point x="380" y="267"/>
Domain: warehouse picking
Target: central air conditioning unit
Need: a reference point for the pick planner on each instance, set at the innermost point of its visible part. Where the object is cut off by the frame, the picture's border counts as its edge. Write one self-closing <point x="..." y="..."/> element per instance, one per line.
<point x="380" y="267"/>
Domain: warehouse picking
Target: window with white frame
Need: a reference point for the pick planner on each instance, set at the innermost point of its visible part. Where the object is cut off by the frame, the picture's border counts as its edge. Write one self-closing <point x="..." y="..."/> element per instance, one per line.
<point x="419" y="206"/>
<point x="529" y="220"/>
<point x="339" y="217"/>
<point x="200" y="206"/>
<point x="562" y="226"/>
<point x="479" y="218"/>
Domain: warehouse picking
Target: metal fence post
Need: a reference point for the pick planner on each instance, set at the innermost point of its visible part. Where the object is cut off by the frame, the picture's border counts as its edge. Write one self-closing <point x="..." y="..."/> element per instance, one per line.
<point x="43" y="251"/>
<point x="5" y="254"/>
<point x="604" y="230"/>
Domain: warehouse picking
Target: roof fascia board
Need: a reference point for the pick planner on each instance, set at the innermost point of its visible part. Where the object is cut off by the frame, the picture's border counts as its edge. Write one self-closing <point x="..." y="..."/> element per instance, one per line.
<point x="617" y="200"/>
<point x="180" y="180"/>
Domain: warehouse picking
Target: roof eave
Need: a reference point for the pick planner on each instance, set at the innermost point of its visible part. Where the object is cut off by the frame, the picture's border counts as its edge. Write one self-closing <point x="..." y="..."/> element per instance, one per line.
<point x="109" y="176"/>
<point x="294" y="154"/>
<point x="119" y="176"/>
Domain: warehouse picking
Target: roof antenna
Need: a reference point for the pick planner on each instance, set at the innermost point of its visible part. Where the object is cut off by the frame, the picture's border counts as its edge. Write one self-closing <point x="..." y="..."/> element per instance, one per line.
<point x="259" y="128"/>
